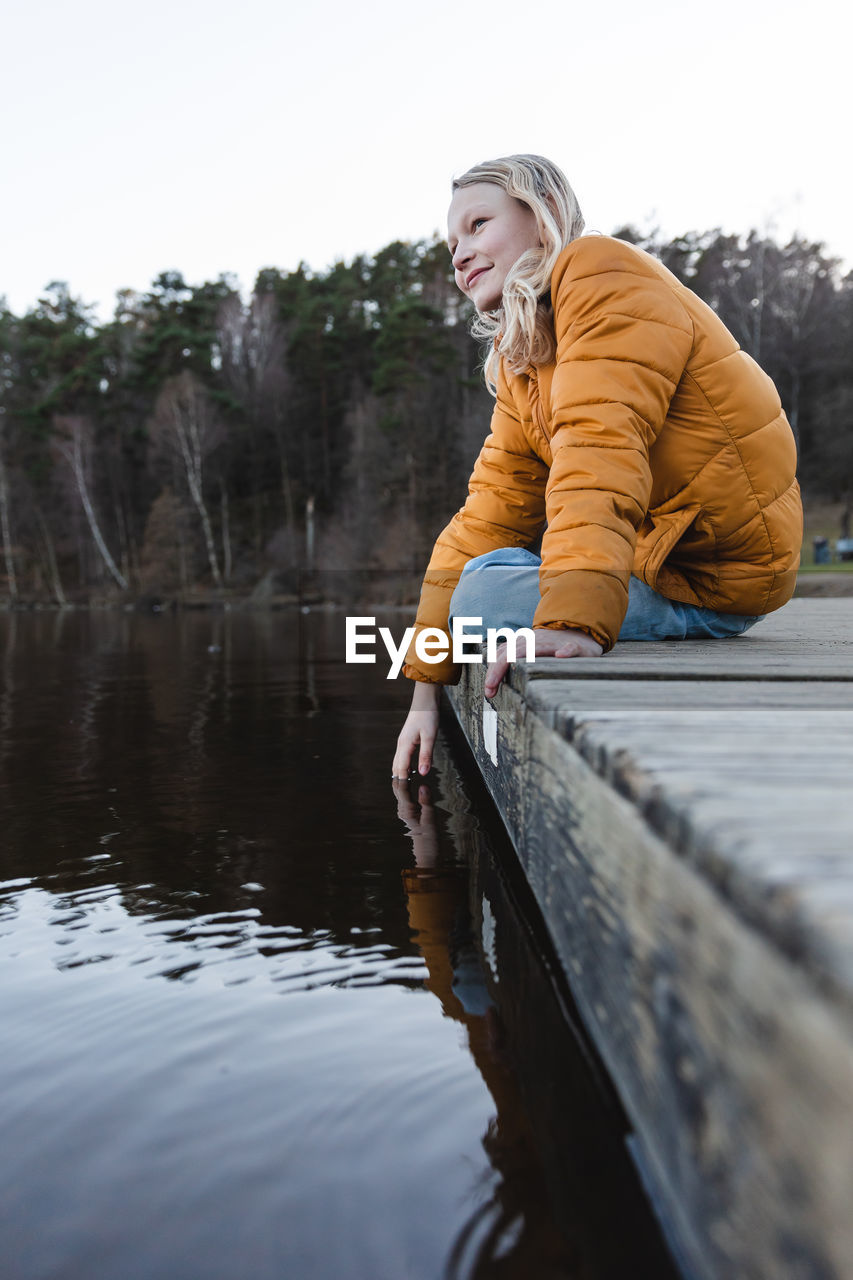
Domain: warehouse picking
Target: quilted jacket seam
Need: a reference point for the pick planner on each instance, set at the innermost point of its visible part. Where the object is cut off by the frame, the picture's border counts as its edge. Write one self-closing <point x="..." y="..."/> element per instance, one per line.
<point x="735" y="445"/>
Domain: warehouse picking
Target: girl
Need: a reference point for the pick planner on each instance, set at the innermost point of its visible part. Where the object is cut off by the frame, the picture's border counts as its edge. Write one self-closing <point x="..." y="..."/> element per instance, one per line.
<point x="628" y="426"/>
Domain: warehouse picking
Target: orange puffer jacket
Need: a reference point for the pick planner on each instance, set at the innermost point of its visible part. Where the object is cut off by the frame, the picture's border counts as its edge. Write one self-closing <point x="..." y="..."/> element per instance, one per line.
<point x="652" y="445"/>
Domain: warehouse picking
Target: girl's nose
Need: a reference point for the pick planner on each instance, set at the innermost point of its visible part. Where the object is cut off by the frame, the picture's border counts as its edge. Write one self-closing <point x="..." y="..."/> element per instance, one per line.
<point x="461" y="255"/>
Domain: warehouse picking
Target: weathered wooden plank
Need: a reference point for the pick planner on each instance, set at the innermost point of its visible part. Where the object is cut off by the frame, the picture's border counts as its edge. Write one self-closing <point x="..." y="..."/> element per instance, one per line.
<point x="567" y="695"/>
<point x="506" y="778"/>
<point x="808" y="639"/>
<point x="757" y="798"/>
<point x="810" y="622"/>
<point x="690" y="846"/>
<point x="737" y="1073"/>
<point x="744" y="658"/>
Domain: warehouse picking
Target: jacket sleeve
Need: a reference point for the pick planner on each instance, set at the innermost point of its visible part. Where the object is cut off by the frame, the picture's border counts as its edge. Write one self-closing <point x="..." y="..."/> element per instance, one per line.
<point x="623" y="340"/>
<point x="505" y="507"/>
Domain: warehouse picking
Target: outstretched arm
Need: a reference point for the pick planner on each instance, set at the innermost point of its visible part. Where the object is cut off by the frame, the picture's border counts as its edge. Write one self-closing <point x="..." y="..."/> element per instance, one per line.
<point x="505" y="507"/>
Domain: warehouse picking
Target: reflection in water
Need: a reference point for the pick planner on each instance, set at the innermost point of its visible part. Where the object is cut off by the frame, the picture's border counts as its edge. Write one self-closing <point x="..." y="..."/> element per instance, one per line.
<point x="513" y="1225"/>
<point x="555" y="1144"/>
<point x="196" y="823"/>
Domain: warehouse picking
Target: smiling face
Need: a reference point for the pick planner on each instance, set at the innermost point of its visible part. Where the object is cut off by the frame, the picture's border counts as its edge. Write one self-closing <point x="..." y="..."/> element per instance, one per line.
<point x="487" y="232"/>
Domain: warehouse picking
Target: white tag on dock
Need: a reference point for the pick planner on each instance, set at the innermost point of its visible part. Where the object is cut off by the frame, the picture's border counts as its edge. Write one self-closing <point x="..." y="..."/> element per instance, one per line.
<point x="490" y="731"/>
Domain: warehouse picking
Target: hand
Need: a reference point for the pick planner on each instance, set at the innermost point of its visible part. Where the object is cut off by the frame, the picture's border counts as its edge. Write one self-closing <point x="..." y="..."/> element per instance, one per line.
<point x="420" y="822"/>
<point x="549" y="644"/>
<point x="420" y="728"/>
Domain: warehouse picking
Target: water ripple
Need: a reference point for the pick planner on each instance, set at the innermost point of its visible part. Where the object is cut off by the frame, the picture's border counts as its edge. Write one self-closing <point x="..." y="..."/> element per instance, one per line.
<point x="92" y="926"/>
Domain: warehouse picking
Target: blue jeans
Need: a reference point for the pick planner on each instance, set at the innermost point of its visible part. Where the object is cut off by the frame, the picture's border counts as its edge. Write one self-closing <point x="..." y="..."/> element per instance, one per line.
<point x="509" y="598"/>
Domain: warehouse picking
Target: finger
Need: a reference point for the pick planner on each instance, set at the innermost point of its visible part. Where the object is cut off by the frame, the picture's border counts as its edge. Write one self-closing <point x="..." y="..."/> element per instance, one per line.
<point x="407" y="811"/>
<point x="495" y="674"/>
<point x="402" y="758"/>
<point x="425" y="756"/>
<point x="568" y="651"/>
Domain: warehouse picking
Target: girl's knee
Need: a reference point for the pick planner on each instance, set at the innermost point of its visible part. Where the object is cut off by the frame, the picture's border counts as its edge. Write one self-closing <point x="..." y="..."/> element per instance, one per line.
<point x="498" y="599"/>
<point x="503" y="558"/>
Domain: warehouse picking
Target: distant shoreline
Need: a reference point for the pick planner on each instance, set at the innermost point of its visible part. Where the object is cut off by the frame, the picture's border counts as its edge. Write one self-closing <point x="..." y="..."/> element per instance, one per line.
<point x="811" y="581"/>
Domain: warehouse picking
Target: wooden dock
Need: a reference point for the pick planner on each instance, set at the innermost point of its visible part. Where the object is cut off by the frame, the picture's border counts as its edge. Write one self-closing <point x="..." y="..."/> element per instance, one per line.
<point x="684" y="815"/>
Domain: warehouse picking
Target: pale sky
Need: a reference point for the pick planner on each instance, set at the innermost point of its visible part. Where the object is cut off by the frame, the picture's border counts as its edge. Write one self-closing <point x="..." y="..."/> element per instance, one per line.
<point x="216" y="137"/>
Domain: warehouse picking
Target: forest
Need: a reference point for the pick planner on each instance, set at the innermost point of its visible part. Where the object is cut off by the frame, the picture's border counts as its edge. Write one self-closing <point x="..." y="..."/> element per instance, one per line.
<point x="199" y="446"/>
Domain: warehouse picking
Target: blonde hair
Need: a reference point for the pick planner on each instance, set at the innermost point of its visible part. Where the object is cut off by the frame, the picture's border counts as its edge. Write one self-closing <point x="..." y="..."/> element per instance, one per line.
<point x="521" y="330"/>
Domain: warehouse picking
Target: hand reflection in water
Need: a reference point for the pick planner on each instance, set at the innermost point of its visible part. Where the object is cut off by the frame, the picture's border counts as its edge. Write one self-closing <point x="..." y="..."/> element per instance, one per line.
<point x="440" y="919"/>
<point x="513" y="1224"/>
<point x="420" y="821"/>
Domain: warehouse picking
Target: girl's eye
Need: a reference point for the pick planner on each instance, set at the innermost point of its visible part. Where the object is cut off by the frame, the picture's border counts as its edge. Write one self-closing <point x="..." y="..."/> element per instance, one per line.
<point x="478" y="222"/>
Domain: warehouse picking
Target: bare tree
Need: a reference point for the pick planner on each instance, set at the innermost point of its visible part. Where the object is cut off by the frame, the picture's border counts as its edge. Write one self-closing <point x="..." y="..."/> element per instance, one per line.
<point x="72" y="442"/>
<point x="185" y="426"/>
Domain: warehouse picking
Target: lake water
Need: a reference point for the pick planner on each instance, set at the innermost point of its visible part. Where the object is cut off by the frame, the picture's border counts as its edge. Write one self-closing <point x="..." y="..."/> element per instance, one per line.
<point x="263" y="1015"/>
